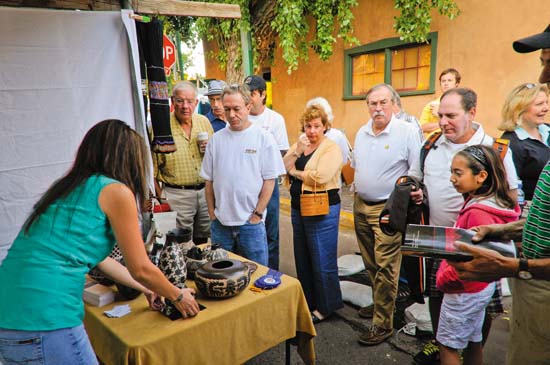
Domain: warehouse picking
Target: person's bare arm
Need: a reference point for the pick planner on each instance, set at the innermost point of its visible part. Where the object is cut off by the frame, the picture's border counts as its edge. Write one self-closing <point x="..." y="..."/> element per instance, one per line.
<point x="509" y="231"/>
<point x="120" y="274"/>
<point x="263" y="200"/>
<point x="489" y="265"/>
<point x="118" y="203"/>
<point x="210" y="199"/>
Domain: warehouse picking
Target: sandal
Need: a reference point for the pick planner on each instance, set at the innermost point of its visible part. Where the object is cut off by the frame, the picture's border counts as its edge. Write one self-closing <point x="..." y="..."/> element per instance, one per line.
<point x="316" y="318"/>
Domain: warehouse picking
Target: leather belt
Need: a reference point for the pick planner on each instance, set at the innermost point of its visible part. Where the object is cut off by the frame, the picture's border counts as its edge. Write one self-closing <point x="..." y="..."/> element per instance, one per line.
<point x="374" y="203"/>
<point x="186" y="187"/>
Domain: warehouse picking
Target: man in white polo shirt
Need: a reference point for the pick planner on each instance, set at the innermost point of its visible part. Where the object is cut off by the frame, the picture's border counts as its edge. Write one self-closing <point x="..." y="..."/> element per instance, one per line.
<point x="385" y="149"/>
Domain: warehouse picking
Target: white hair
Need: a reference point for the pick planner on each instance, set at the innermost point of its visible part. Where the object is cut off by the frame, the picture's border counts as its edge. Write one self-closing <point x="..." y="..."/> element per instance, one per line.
<point x="323" y="103"/>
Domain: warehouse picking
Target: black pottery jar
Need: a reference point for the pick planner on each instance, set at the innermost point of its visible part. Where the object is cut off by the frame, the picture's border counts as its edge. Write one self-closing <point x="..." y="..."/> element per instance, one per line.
<point x="172" y="263"/>
<point x="223" y="278"/>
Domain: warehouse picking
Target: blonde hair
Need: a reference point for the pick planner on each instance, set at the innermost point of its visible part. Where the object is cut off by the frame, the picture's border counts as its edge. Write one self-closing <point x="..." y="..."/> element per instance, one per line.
<point x="517" y="103"/>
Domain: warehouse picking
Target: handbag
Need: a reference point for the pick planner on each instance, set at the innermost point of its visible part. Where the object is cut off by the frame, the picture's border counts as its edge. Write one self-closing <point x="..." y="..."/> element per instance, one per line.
<point x="348" y="172"/>
<point x="313" y="204"/>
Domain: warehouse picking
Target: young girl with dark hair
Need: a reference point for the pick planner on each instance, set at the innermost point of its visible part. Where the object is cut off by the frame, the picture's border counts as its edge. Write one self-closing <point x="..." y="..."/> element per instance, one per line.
<point x="478" y="173"/>
<point x="73" y="228"/>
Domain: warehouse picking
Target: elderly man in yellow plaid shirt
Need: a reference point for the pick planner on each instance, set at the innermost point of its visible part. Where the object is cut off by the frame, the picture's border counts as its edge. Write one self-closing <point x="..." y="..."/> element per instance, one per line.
<point x="179" y="171"/>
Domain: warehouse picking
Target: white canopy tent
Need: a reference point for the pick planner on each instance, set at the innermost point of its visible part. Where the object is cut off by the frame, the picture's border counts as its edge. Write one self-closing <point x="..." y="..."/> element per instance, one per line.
<point x="61" y="72"/>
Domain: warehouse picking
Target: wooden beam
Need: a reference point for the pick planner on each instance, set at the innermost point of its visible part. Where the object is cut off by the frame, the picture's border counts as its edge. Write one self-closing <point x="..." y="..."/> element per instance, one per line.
<point x="186" y="8"/>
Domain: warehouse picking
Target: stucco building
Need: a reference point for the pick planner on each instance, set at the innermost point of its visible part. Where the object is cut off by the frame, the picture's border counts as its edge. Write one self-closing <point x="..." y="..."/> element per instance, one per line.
<point x="478" y="43"/>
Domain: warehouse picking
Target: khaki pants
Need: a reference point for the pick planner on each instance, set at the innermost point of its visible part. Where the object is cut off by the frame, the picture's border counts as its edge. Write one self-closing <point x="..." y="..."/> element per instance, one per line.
<point x="382" y="256"/>
<point x="529" y="342"/>
<point x="192" y="210"/>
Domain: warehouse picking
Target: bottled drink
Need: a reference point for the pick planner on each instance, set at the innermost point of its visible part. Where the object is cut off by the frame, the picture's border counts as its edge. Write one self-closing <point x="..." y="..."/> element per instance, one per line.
<point x="521" y="196"/>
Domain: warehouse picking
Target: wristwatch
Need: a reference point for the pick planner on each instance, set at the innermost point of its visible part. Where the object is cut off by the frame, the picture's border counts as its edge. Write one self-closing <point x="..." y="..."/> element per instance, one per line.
<point x="258" y="214"/>
<point x="524" y="272"/>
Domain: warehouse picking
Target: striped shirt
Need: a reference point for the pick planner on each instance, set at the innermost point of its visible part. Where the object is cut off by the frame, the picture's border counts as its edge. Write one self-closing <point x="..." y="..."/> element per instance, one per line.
<point x="182" y="167"/>
<point x="536" y="233"/>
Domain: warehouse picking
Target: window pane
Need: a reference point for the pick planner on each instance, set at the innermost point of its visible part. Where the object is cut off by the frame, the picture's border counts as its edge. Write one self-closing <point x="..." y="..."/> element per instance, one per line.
<point x="425" y="55"/>
<point x="410" y="79"/>
<point x="411" y="57"/>
<point x="423" y="78"/>
<point x="413" y="72"/>
<point x="368" y="70"/>
<point x="397" y="79"/>
<point x="398" y="59"/>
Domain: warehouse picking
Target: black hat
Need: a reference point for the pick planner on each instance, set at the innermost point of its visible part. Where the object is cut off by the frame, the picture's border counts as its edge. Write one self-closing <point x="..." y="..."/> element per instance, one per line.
<point x="255" y="83"/>
<point x="534" y="42"/>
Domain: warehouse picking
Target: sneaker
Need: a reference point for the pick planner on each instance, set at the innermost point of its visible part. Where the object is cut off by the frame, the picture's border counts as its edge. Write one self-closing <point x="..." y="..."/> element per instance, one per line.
<point x="366" y="312"/>
<point x="375" y="336"/>
<point x="428" y="356"/>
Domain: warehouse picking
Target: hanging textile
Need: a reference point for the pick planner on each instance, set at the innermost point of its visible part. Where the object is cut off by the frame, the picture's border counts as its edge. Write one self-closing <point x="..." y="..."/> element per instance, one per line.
<point x="152" y="68"/>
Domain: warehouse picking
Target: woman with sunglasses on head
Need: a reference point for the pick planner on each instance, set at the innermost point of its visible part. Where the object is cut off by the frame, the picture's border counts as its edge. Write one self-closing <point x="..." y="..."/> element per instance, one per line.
<point x="523" y="120"/>
<point x="71" y="229"/>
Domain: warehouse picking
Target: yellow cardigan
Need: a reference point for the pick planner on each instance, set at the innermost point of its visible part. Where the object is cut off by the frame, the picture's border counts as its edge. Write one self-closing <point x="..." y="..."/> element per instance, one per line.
<point x="323" y="168"/>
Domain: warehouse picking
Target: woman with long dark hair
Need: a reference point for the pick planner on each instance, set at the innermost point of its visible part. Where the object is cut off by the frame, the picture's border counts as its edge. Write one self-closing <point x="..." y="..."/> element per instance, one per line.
<point x="73" y="228"/>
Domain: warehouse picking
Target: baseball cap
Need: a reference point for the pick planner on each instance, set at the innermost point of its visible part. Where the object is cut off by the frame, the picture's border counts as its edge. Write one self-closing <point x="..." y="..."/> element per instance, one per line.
<point x="215" y="87"/>
<point x="534" y="42"/>
<point x="255" y="83"/>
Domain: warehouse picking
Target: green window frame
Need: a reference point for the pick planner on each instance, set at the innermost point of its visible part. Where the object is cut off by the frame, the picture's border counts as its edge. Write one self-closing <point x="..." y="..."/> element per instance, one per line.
<point x="387" y="46"/>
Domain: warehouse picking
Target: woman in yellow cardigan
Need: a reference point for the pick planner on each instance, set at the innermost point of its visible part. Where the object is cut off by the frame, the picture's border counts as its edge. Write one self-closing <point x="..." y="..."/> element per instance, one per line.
<point x="315" y="163"/>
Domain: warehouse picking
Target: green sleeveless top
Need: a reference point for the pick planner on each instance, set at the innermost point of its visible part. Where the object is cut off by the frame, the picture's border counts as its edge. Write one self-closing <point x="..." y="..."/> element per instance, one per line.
<point x="42" y="277"/>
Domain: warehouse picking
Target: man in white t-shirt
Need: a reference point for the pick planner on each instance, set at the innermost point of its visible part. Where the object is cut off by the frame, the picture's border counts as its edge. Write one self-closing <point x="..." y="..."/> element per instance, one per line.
<point x="457" y="111"/>
<point x="240" y="167"/>
<point x="274" y="123"/>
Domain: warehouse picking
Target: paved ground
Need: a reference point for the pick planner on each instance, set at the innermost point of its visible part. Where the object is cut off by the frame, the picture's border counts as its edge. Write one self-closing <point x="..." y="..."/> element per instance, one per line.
<point x="336" y="341"/>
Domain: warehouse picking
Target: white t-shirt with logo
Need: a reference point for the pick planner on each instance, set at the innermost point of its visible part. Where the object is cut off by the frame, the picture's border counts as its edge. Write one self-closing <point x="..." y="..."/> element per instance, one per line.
<point x="274" y="123"/>
<point x="238" y="162"/>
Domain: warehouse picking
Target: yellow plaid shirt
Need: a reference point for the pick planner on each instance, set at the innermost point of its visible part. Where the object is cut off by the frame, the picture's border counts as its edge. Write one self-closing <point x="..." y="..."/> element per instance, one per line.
<point x="183" y="166"/>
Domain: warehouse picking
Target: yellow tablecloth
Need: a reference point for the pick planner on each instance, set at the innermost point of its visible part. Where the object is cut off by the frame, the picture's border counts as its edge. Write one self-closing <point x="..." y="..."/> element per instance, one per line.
<point x="228" y="331"/>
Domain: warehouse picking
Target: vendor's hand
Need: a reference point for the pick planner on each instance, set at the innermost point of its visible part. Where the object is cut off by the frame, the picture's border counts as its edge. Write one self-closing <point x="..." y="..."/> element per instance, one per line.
<point x="154" y="300"/>
<point x="188" y="306"/>
<point x="417" y="196"/>
<point x="212" y="216"/>
<point x="487" y="265"/>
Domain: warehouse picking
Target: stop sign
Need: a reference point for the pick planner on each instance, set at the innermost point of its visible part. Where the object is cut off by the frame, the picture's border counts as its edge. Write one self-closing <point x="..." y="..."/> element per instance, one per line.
<point x="168" y="53"/>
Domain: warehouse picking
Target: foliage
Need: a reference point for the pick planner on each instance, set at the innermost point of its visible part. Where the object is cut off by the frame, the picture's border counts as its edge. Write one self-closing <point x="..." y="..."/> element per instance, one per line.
<point x="288" y="22"/>
<point x="413" y="25"/>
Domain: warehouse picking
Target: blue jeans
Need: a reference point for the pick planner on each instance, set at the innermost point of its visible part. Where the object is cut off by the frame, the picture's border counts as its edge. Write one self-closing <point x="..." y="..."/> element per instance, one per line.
<point x="248" y="240"/>
<point x="315" y="254"/>
<point x="63" y="346"/>
<point x="272" y="228"/>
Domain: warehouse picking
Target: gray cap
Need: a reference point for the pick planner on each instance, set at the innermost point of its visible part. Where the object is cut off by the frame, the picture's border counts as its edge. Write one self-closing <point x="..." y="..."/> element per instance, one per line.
<point x="215" y="87"/>
<point x="534" y="42"/>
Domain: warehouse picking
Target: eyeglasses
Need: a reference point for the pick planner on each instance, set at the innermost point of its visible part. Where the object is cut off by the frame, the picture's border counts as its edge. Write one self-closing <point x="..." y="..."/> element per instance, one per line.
<point x="184" y="101"/>
<point x="374" y="104"/>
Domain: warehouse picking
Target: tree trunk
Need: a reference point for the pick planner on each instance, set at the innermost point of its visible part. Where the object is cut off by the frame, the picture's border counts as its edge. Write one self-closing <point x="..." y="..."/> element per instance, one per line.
<point x="262" y="13"/>
<point x="234" y="72"/>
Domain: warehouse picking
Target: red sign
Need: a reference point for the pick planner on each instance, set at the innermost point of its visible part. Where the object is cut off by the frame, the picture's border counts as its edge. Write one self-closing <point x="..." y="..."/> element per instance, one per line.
<point x="168" y="54"/>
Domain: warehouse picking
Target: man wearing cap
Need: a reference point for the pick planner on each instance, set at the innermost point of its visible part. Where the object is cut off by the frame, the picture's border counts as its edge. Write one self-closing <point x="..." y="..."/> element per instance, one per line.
<point x="530" y="324"/>
<point x="216" y="115"/>
<point x="273" y="123"/>
<point x="179" y="171"/>
<point x="534" y="43"/>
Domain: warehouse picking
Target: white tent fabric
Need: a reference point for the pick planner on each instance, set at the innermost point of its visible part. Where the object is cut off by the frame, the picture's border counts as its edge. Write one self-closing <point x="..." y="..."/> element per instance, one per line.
<point x="61" y="72"/>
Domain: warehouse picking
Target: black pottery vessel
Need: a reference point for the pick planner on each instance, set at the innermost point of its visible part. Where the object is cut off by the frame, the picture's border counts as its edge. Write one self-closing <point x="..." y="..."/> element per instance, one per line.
<point x="223" y="278"/>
